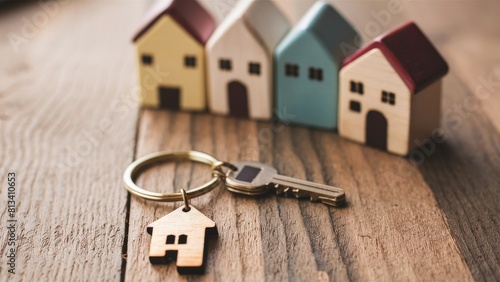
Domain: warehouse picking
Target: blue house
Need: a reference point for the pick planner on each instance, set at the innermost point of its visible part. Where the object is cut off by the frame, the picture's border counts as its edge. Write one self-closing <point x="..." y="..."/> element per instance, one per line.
<point x="307" y="64"/>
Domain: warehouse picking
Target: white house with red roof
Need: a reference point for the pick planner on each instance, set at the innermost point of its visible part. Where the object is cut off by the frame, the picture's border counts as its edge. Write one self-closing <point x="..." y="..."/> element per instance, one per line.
<point x="390" y="91"/>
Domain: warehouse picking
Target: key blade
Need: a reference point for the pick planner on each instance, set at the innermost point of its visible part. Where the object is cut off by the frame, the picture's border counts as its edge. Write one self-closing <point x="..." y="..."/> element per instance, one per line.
<point x="307" y="186"/>
<point x="328" y="195"/>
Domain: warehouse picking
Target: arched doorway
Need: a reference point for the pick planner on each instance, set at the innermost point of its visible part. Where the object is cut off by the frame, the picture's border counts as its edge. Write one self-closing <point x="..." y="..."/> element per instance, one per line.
<point x="376" y="130"/>
<point x="237" y="98"/>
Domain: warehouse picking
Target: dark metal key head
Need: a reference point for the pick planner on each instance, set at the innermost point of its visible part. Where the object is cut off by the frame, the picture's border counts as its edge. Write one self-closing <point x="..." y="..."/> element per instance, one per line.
<point x="248" y="173"/>
<point x="251" y="178"/>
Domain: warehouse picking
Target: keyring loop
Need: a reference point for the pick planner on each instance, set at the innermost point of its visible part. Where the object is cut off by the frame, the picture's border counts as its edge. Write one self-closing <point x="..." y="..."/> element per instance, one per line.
<point x="132" y="170"/>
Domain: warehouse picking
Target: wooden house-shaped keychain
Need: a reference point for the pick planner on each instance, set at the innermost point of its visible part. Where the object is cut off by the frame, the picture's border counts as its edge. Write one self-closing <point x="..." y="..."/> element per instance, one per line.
<point x="390" y="91"/>
<point x="239" y="59"/>
<point x="307" y="63"/>
<point x="170" y="55"/>
<point x="181" y="235"/>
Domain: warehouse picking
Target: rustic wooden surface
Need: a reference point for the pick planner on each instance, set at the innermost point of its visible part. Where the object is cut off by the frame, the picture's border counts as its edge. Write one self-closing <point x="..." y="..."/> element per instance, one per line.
<point x="69" y="125"/>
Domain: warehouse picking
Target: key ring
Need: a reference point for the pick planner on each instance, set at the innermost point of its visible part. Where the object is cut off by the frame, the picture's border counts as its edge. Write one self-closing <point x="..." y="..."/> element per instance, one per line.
<point x="134" y="168"/>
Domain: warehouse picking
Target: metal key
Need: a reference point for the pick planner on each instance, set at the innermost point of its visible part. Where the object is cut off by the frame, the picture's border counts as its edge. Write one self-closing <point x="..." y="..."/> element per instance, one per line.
<point x="254" y="178"/>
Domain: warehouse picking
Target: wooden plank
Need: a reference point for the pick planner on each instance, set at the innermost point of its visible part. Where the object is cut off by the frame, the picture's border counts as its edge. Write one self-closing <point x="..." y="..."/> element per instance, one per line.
<point x="463" y="173"/>
<point x="66" y="104"/>
<point x="391" y="229"/>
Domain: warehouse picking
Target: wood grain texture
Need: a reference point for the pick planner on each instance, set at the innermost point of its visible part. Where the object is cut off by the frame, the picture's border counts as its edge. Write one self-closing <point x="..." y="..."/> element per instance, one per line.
<point x="382" y="234"/>
<point x="75" y="77"/>
<point x="66" y="104"/>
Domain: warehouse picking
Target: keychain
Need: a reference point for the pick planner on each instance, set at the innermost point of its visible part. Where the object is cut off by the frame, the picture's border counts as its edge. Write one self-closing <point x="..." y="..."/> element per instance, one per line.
<point x="182" y="234"/>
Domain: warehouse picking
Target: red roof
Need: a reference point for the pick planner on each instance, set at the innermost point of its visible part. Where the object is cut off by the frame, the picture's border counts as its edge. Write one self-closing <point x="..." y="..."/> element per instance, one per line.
<point x="410" y="53"/>
<point x="187" y="13"/>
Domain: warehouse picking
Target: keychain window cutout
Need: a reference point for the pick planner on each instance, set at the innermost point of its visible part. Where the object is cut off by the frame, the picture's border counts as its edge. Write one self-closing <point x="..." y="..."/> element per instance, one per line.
<point x="170" y="239"/>
<point x="248" y="173"/>
<point x="183" y="239"/>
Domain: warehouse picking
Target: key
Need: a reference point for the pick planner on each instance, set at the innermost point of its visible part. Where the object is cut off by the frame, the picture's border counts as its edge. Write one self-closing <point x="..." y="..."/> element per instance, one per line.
<point x="254" y="178"/>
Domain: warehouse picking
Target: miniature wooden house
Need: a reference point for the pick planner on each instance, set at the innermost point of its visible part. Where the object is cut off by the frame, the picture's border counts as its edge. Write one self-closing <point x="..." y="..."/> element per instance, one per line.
<point x="390" y="91"/>
<point x="307" y="63"/>
<point x="239" y="59"/>
<point x="180" y="235"/>
<point x="170" y="55"/>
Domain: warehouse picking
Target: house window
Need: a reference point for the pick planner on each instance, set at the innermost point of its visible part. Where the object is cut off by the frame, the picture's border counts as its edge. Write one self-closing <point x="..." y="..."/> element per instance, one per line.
<point x="316" y="74"/>
<point x="225" y="64"/>
<point x="147" y="59"/>
<point x="170" y="239"/>
<point x="355" y="106"/>
<point x="292" y="70"/>
<point x="357" y="87"/>
<point x="254" y="68"/>
<point x="388" y="97"/>
<point x="183" y="239"/>
<point x="190" y="61"/>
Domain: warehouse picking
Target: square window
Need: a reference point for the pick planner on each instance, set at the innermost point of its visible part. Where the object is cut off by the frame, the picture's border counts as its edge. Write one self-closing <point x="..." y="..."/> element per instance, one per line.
<point x="355" y="106"/>
<point x="388" y="97"/>
<point x="292" y="70"/>
<point x="225" y="64"/>
<point x="190" y="61"/>
<point x="147" y="59"/>
<point x="316" y="74"/>
<point x="254" y="68"/>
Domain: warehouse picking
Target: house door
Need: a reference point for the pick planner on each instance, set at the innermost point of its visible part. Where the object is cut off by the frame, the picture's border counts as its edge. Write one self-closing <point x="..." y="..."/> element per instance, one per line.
<point x="169" y="97"/>
<point x="238" y="99"/>
<point x="376" y="130"/>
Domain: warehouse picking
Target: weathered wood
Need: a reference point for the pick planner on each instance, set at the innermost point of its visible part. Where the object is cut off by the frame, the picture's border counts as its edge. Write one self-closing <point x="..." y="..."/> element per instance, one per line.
<point x="463" y="173"/>
<point x="67" y="119"/>
<point x="384" y="233"/>
<point x="67" y="123"/>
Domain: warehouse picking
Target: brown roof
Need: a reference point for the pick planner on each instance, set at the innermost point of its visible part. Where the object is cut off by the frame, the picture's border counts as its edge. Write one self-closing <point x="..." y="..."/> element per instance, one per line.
<point x="187" y="13"/>
<point x="410" y="53"/>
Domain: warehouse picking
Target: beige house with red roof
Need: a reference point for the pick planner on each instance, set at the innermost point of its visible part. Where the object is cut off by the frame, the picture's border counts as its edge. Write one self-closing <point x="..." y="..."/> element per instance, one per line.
<point x="170" y="55"/>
